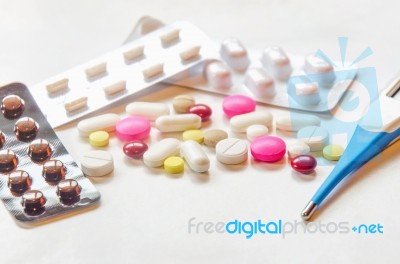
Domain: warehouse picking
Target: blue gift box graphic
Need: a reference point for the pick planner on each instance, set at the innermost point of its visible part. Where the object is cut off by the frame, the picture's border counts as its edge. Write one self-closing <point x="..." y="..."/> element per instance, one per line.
<point x="355" y="104"/>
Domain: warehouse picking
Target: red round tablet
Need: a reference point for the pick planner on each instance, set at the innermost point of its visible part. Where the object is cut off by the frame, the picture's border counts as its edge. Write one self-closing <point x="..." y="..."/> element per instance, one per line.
<point x="202" y="110"/>
<point x="304" y="163"/>
<point x="135" y="149"/>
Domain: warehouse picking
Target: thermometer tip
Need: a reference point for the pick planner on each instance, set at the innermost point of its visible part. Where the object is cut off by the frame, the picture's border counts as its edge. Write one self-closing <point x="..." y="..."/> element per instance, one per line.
<point x="309" y="210"/>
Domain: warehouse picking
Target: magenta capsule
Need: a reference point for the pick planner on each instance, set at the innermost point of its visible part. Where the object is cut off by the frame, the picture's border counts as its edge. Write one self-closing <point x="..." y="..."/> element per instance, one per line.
<point x="202" y="110"/>
<point x="304" y="163"/>
<point x="135" y="149"/>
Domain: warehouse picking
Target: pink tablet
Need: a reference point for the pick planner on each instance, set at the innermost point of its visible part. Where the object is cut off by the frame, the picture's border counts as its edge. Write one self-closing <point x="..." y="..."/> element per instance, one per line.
<point x="268" y="148"/>
<point x="238" y="104"/>
<point x="133" y="128"/>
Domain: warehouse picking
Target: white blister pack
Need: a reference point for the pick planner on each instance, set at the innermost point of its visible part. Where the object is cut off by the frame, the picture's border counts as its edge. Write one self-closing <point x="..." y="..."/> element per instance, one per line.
<point x="303" y="83"/>
<point x="181" y="54"/>
<point x="128" y="70"/>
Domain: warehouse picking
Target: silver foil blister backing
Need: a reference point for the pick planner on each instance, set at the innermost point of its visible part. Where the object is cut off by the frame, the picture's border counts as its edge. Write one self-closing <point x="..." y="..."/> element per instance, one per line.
<point x="53" y="207"/>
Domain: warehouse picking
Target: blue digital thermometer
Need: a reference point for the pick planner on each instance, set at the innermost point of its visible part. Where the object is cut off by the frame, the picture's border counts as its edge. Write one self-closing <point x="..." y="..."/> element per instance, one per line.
<point x="369" y="139"/>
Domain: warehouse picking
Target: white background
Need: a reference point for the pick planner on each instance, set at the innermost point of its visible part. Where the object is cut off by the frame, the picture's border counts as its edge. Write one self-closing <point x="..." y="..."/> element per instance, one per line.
<point x="143" y="215"/>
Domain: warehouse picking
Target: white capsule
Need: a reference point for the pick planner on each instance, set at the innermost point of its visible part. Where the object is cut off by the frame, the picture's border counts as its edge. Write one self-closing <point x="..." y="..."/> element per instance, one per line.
<point x="134" y="53"/>
<point x="321" y="70"/>
<point x="195" y="156"/>
<point x="149" y="110"/>
<point x="76" y="104"/>
<point x="259" y="82"/>
<point x="190" y="53"/>
<point x="277" y="63"/>
<point x="295" y="122"/>
<point x="218" y="75"/>
<point x="304" y="91"/>
<point x="153" y="70"/>
<point x="115" y="88"/>
<point x="104" y="122"/>
<point x="170" y="36"/>
<point x="234" y="54"/>
<point x="96" y="70"/>
<point x="255" y="131"/>
<point x="231" y="151"/>
<point x="160" y="151"/>
<point x="177" y="123"/>
<point x="97" y="163"/>
<point x="57" y="86"/>
<point x="240" y="123"/>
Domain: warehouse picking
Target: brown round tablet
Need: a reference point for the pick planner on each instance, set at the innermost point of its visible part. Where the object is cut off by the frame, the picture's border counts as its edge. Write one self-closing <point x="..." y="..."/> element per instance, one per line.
<point x="53" y="171"/>
<point x="8" y="160"/>
<point x="212" y="137"/>
<point x="19" y="181"/>
<point x="12" y="106"/>
<point x="39" y="150"/>
<point x="2" y="139"/>
<point x="26" y="129"/>
<point x="69" y="192"/>
<point x="33" y="202"/>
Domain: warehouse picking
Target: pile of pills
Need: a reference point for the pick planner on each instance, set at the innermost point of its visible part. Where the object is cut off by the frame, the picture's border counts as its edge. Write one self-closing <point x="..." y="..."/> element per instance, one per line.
<point x="38" y="178"/>
<point x="172" y="153"/>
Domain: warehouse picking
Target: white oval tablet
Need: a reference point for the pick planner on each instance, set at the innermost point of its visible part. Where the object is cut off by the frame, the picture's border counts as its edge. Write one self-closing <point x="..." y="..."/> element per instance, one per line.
<point x="170" y="36"/>
<point x="96" y="70"/>
<point x="57" y="86"/>
<point x="153" y="70"/>
<point x="134" y="53"/>
<point x="190" y="53"/>
<point x="231" y="151"/>
<point x="234" y="54"/>
<point x="195" y="156"/>
<point x="115" y="88"/>
<point x="259" y="82"/>
<point x="177" y="123"/>
<point x="240" y="123"/>
<point x="218" y="75"/>
<point x="104" y="122"/>
<point x="297" y="148"/>
<point x="321" y="70"/>
<point x="149" y="110"/>
<point x="296" y="122"/>
<point x="307" y="93"/>
<point x="76" y="104"/>
<point x="97" y="163"/>
<point x="277" y="63"/>
<point x="254" y="131"/>
<point x="160" y="151"/>
<point x="315" y="137"/>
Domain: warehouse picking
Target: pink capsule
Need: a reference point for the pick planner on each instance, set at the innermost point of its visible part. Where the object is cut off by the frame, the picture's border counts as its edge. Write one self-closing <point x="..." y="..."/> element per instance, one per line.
<point x="135" y="149"/>
<point x="304" y="163"/>
<point x="202" y="110"/>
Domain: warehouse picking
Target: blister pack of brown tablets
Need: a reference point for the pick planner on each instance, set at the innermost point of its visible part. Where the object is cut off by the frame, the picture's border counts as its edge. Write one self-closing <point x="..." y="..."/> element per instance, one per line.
<point x="38" y="178"/>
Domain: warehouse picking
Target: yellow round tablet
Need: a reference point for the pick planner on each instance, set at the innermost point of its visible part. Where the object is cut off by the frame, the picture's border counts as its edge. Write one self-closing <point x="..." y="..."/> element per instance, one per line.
<point x="196" y="135"/>
<point x="333" y="152"/>
<point x="174" y="165"/>
<point x="99" y="139"/>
